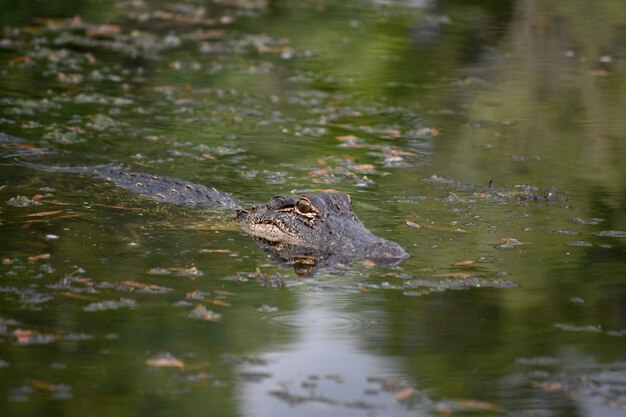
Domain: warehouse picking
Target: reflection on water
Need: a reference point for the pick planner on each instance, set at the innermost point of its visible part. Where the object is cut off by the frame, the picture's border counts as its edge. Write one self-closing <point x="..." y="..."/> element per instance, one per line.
<point x="487" y="138"/>
<point x="324" y="369"/>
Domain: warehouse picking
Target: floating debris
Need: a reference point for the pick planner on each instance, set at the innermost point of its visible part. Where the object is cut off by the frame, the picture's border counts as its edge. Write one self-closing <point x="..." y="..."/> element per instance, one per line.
<point x="468" y="262"/>
<point x="44" y="213"/>
<point x="196" y="295"/>
<point x="457" y="282"/>
<point x="77" y="337"/>
<point x="509" y="243"/>
<point x="612" y="233"/>
<point x="21" y="201"/>
<point x="147" y="288"/>
<point x="40" y="257"/>
<point x="192" y="272"/>
<point x="215" y="251"/>
<point x="579" y="243"/>
<point x="31" y="297"/>
<point x="29" y="337"/>
<point x="111" y="305"/>
<point x="202" y="313"/>
<point x="165" y="360"/>
<point x="159" y="271"/>
<point x="343" y="169"/>
<point x="59" y="391"/>
<point x="564" y="232"/>
<point x="413" y="224"/>
<point x="405" y="394"/>
<point x="448" y="407"/>
<point x="571" y="328"/>
<point x="587" y="384"/>
<point x="182" y="303"/>
<point x="539" y="361"/>
<point x="296" y="399"/>
<point x="592" y="221"/>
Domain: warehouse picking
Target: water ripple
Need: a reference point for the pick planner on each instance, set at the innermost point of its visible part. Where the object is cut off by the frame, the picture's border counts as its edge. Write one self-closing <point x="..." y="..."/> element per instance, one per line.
<point x="325" y="321"/>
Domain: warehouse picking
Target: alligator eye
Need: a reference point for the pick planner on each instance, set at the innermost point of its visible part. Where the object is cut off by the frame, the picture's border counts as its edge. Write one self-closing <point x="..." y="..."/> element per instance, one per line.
<point x="304" y="206"/>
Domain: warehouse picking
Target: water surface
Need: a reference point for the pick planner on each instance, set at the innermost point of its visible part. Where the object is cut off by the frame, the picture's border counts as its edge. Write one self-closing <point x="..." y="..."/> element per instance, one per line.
<point x="486" y="139"/>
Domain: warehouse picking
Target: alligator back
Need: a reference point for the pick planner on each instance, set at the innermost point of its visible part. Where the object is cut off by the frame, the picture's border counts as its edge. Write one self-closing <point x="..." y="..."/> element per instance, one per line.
<point x="168" y="190"/>
<point x="162" y="189"/>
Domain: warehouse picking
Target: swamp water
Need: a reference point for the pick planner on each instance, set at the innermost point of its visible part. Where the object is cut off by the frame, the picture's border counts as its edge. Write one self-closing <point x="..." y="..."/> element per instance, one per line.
<point x="486" y="139"/>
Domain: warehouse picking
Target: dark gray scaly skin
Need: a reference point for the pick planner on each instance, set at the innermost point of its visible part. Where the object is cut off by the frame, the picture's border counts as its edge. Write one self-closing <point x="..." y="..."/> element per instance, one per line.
<point x="162" y="189"/>
<point x="168" y="190"/>
<point x="321" y="222"/>
<point x="308" y="230"/>
<point x="314" y="231"/>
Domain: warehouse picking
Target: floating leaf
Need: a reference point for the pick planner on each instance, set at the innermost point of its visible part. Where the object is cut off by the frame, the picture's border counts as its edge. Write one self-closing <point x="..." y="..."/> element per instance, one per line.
<point x="195" y="295"/>
<point x="105" y="29"/>
<point x="158" y="271"/>
<point x="29" y="337"/>
<point x="364" y="168"/>
<point x="511" y="241"/>
<point x="427" y="131"/>
<point x="41" y="257"/>
<point x="111" y="305"/>
<point x="76" y="296"/>
<point x="217" y="302"/>
<point x="26" y="146"/>
<point x="150" y="287"/>
<point x="42" y="385"/>
<point x="44" y="213"/>
<point x="412" y="224"/>
<point x="599" y="72"/>
<point x="405" y="394"/>
<point x="187" y="272"/>
<point x="479" y="405"/>
<point x="319" y="172"/>
<point x="21" y="61"/>
<point x="612" y="233"/>
<point x="350" y="141"/>
<point x="201" y="313"/>
<point x="21" y="201"/>
<point x="56" y="202"/>
<point x="571" y="328"/>
<point x="165" y="360"/>
<point x="465" y="262"/>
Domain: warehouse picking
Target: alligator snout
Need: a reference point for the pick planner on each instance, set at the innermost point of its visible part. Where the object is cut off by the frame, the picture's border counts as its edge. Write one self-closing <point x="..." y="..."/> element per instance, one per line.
<point x="388" y="250"/>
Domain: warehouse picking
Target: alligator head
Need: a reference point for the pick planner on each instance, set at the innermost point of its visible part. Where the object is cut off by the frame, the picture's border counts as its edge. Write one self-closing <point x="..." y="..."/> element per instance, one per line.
<point x="312" y="227"/>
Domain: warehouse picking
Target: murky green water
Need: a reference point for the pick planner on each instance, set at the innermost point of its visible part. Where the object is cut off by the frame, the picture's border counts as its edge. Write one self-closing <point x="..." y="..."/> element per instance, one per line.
<point x="487" y="139"/>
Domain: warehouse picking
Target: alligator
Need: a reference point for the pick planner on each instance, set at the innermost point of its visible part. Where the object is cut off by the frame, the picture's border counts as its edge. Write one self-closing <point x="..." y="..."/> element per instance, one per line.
<point x="308" y="231"/>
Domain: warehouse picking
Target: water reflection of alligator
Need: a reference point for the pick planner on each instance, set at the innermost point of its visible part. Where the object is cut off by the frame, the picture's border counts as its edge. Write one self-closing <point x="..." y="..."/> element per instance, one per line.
<point x="308" y="231"/>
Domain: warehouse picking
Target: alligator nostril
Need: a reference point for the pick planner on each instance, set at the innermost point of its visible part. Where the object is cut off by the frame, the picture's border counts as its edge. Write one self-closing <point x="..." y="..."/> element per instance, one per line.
<point x="241" y="214"/>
